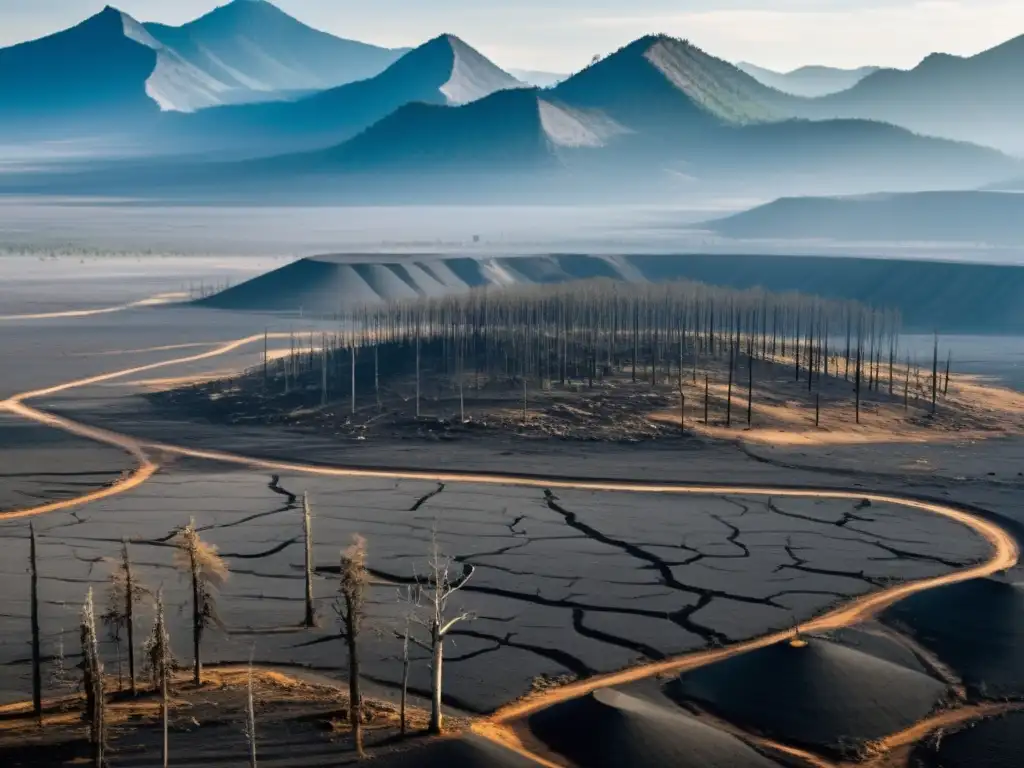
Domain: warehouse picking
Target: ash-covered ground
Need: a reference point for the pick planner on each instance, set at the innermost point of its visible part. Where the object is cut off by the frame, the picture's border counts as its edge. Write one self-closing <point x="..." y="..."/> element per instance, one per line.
<point x="564" y="582"/>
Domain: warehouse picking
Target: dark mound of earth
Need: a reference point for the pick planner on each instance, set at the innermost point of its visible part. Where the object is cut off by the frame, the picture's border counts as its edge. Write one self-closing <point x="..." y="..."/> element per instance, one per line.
<point x="878" y="645"/>
<point x="976" y="627"/>
<point x="995" y="743"/>
<point x="609" y="729"/>
<point x="467" y="752"/>
<point x="822" y="694"/>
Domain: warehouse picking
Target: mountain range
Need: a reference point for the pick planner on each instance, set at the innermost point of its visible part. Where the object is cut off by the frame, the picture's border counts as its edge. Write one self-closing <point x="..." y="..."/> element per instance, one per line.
<point x="254" y="102"/>
<point x="975" y="98"/>
<point x="111" y="72"/>
<point x="810" y="81"/>
<point x="992" y="218"/>
<point x="658" y="116"/>
<point x="444" y="71"/>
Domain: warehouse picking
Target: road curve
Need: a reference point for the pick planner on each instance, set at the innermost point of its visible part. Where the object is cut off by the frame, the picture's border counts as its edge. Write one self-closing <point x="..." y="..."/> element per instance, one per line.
<point x="160" y="298"/>
<point x="1005" y="551"/>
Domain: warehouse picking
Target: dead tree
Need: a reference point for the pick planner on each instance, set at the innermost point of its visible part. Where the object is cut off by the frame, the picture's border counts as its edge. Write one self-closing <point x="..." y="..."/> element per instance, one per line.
<point x="124" y="591"/>
<point x="250" y="718"/>
<point x="207" y="571"/>
<point x="437" y="590"/>
<point x="351" y="607"/>
<point x="707" y="394"/>
<point x="37" y="670"/>
<point x="410" y="597"/>
<point x="92" y="684"/>
<point x="159" y="660"/>
<point x="307" y="536"/>
<point x="728" y="397"/>
<point x="750" y="391"/>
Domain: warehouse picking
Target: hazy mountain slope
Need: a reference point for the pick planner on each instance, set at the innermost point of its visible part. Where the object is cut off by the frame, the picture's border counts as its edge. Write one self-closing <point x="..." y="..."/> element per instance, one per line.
<point x="500" y="132"/>
<point x="978" y="98"/>
<point x="657" y="119"/>
<point x="979" y="217"/>
<point x="1015" y="184"/>
<point x="659" y="83"/>
<point x="538" y="78"/>
<point x="112" y="74"/>
<point x="810" y="81"/>
<point x="83" y="78"/>
<point x="256" y="50"/>
<point x="442" y="71"/>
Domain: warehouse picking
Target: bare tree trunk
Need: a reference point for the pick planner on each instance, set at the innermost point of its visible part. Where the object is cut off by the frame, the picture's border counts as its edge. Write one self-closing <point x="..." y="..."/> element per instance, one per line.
<point x="353" y="358"/>
<point x="307" y="534"/>
<point x="707" y="394"/>
<point x="323" y="372"/>
<point x="857" y="382"/>
<point x="417" y="373"/>
<point x="376" y="376"/>
<point x="197" y="624"/>
<point x="355" y="701"/>
<point x="728" y="398"/>
<point x="436" y="663"/>
<point x="163" y="652"/>
<point x="93" y="683"/>
<point x="750" y="391"/>
<point x="906" y="387"/>
<point x="129" y="613"/>
<point x="37" y="671"/>
<point x="945" y="386"/>
<point x="405" y="677"/>
<point x="250" y="712"/>
<point x="935" y="372"/>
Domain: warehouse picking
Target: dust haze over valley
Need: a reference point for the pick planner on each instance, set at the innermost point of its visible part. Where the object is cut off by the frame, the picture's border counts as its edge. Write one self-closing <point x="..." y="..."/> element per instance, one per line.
<point x="363" y="398"/>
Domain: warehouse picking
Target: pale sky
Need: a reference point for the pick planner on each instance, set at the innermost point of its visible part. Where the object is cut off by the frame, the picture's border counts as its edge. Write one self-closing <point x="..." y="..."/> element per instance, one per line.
<point x="563" y="35"/>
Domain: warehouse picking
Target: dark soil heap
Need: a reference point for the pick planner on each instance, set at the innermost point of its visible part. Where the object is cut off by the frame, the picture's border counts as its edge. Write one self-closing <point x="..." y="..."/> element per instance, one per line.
<point x="977" y="627"/>
<point x="822" y="694"/>
<point x="609" y="729"/>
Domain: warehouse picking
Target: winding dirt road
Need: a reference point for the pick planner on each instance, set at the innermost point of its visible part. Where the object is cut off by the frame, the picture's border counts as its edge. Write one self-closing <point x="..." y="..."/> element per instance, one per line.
<point x="160" y="298"/>
<point x="1004" y="549"/>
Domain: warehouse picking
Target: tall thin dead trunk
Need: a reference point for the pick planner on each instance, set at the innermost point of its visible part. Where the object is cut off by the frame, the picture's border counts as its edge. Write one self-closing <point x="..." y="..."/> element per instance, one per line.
<point x="354" y="580"/>
<point x="307" y="536"/>
<point x="707" y="395"/>
<point x="728" y="397"/>
<point x="129" y="612"/>
<point x="750" y="391"/>
<point x="250" y="719"/>
<point x="37" y="668"/>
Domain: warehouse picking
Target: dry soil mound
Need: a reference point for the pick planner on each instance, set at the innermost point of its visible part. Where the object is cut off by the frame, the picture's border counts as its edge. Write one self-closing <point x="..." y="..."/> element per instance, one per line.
<point x="878" y="645"/>
<point x="609" y="729"/>
<point x="823" y="694"/>
<point x="976" y="627"/>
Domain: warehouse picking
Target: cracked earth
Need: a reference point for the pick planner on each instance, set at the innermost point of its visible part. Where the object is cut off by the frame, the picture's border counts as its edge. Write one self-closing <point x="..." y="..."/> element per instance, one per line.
<point x="565" y="583"/>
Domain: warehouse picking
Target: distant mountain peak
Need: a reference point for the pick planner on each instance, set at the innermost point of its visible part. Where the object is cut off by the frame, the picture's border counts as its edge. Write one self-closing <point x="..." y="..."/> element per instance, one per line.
<point x="664" y="80"/>
<point x="468" y="74"/>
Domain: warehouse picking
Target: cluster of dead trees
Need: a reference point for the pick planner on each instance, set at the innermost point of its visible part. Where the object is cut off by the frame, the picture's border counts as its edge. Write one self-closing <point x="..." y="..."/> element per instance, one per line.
<point x="425" y="622"/>
<point x="576" y="334"/>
